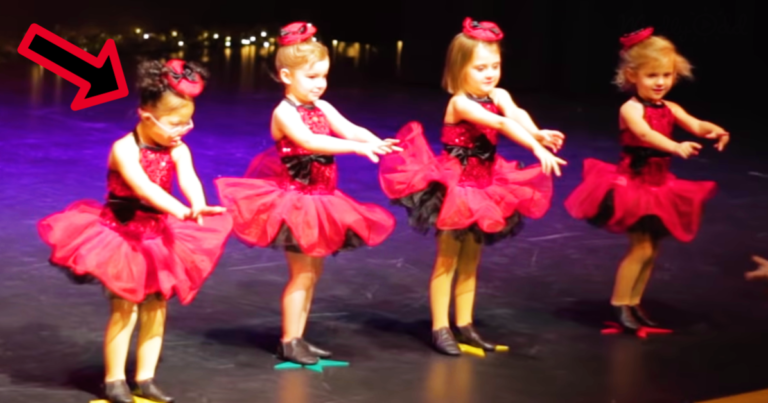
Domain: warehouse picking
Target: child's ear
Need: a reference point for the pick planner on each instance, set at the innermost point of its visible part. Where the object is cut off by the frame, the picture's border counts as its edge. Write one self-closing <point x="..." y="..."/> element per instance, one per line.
<point x="631" y="75"/>
<point x="143" y="115"/>
<point x="285" y="76"/>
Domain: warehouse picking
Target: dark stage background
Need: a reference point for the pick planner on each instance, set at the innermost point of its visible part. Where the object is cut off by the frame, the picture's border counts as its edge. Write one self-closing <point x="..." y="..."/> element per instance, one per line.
<point x="568" y="48"/>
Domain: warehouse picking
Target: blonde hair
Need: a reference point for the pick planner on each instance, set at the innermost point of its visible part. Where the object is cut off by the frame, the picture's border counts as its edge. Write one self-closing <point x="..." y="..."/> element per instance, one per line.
<point x="652" y="50"/>
<point x="299" y="54"/>
<point x="459" y="56"/>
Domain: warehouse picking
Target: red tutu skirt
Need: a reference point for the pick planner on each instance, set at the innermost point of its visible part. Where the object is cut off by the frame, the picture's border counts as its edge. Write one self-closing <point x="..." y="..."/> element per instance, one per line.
<point x="486" y="199"/>
<point x="269" y="212"/>
<point x="152" y="254"/>
<point x="654" y="201"/>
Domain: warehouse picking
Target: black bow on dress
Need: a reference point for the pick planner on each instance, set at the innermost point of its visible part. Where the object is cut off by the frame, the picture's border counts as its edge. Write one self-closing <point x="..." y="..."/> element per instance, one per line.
<point x="300" y="166"/>
<point x="482" y="148"/>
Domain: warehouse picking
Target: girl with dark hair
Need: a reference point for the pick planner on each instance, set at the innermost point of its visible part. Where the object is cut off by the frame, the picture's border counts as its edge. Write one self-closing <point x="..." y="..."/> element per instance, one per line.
<point x="144" y="245"/>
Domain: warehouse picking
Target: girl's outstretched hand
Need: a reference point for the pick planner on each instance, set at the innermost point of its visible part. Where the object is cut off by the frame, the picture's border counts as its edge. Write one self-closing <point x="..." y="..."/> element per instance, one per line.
<point x="196" y="213"/>
<point x="549" y="163"/>
<point x="760" y="272"/>
<point x="687" y="149"/>
<point x="551" y="139"/>
<point x="371" y="150"/>
<point x="391" y="144"/>
<point x="722" y="137"/>
<point x="183" y="214"/>
<point x="388" y="145"/>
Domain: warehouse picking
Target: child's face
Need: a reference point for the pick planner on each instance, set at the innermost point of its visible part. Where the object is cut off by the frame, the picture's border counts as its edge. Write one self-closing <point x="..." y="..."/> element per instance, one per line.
<point x="483" y="71"/>
<point x="654" y="80"/>
<point x="308" y="82"/>
<point x="170" y="120"/>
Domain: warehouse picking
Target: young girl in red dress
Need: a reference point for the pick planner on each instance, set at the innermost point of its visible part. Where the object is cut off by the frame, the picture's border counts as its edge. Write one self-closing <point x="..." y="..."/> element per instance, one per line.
<point x="640" y="196"/>
<point x="144" y="245"/>
<point x="288" y="198"/>
<point x="469" y="194"/>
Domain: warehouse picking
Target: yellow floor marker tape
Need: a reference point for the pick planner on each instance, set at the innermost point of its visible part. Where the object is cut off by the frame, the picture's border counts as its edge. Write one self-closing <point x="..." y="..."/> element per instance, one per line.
<point x="471" y="350"/>
<point x="135" y="399"/>
<point x="753" y="397"/>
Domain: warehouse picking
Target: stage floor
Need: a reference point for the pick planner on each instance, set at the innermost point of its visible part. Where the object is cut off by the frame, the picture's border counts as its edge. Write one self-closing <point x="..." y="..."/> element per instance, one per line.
<point x="544" y="293"/>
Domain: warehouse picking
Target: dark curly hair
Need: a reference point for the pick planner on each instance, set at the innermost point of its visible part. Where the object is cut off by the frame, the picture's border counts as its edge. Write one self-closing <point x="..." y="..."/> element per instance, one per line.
<point x="152" y="83"/>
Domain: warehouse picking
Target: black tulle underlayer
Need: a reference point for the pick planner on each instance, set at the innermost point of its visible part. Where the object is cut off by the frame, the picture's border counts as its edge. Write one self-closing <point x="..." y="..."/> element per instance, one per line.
<point x="424" y="207"/>
<point x="75" y="278"/>
<point x="81" y="279"/>
<point x="648" y="224"/>
<point x="285" y="240"/>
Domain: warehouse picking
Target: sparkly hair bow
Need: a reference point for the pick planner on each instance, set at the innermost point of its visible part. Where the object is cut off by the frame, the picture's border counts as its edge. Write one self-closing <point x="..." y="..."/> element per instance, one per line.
<point x="295" y="33"/>
<point x="484" y="31"/>
<point x="636" y="37"/>
<point x="183" y="79"/>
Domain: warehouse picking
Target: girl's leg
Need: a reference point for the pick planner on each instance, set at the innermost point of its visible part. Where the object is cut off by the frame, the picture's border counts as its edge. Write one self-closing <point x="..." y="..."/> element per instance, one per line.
<point x="448" y="249"/>
<point x="294" y="304"/>
<point x="317" y="271"/>
<point x="645" y="274"/>
<point x="295" y="296"/>
<point x="317" y="267"/>
<point x="640" y="252"/>
<point x="117" y="342"/>
<point x="466" y="284"/>
<point x="152" y="314"/>
<point x="642" y="282"/>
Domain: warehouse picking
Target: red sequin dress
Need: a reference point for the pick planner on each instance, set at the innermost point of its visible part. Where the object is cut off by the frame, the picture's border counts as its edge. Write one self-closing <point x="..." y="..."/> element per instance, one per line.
<point x="467" y="189"/>
<point x="640" y="194"/>
<point x="288" y="200"/>
<point x="133" y="249"/>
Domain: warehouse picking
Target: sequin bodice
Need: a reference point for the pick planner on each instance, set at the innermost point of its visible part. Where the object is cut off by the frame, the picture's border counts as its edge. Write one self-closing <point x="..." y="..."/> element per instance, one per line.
<point x="465" y="133"/>
<point x="474" y="146"/>
<point x="659" y="117"/>
<point x="305" y="170"/>
<point x="124" y="211"/>
<point x="158" y="165"/>
<point x="638" y="158"/>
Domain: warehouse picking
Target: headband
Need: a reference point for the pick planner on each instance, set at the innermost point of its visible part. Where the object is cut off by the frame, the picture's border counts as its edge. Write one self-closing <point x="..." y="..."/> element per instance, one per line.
<point x="296" y="32"/>
<point x="183" y="79"/>
<point x="636" y="37"/>
<point x="484" y="31"/>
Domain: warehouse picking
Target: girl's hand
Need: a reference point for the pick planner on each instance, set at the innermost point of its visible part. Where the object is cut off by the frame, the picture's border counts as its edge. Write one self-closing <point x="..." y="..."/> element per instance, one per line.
<point x="390" y="143"/>
<point x="549" y="162"/>
<point x="721" y="136"/>
<point x="197" y="213"/>
<point x="551" y="139"/>
<point x="386" y="146"/>
<point x="184" y="214"/>
<point x="687" y="149"/>
<point x="760" y="272"/>
<point x="371" y="149"/>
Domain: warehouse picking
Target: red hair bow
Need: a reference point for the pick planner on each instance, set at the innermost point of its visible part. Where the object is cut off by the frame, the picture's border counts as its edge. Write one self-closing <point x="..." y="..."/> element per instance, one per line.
<point x="295" y="33"/>
<point x="636" y="37"/>
<point x="183" y="79"/>
<point x="484" y="31"/>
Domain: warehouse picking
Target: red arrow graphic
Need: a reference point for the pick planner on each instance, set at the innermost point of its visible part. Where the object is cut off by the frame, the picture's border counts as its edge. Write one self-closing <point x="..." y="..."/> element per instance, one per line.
<point x="99" y="81"/>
